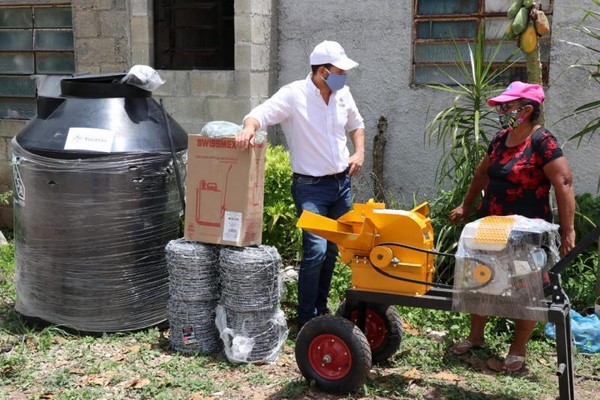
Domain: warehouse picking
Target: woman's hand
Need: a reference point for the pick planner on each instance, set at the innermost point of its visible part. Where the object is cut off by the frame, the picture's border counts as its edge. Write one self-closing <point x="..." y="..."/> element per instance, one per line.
<point x="561" y="177"/>
<point x="459" y="214"/>
<point x="480" y="179"/>
<point x="567" y="241"/>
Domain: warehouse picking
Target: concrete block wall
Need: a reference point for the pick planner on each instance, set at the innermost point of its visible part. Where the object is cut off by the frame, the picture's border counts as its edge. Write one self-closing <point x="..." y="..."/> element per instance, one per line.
<point x="142" y="28"/>
<point x="113" y="35"/>
<point x="195" y="97"/>
<point x="102" y="35"/>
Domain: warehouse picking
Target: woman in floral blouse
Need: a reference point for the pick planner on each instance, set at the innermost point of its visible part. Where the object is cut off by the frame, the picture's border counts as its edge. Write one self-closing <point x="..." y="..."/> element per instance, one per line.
<point x="523" y="161"/>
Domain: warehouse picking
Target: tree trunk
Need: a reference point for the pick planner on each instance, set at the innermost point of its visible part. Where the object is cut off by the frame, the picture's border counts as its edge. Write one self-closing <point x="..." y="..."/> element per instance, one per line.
<point x="534" y="66"/>
<point x="379" y="143"/>
<point x="534" y="74"/>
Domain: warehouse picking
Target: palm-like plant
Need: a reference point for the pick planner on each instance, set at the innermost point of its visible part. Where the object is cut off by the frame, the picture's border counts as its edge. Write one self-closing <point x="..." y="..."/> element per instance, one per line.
<point x="463" y="131"/>
<point x="589" y="26"/>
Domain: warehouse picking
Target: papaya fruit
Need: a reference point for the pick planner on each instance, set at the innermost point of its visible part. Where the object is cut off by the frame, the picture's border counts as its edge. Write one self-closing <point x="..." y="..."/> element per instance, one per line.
<point x="528" y="41"/>
<point x="528" y="3"/>
<point x="514" y="8"/>
<point x="520" y="22"/>
<point x="542" y="26"/>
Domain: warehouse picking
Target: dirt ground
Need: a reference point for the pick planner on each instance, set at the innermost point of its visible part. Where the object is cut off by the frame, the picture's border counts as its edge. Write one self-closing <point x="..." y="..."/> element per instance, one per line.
<point x="420" y="384"/>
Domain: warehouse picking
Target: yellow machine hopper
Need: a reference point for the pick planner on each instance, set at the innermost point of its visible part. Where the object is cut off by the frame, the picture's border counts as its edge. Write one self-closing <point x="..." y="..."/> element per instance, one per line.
<point x="381" y="244"/>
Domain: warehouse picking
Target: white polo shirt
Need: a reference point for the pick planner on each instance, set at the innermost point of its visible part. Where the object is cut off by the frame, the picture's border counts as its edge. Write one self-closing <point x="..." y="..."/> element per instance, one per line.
<point x="316" y="132"/>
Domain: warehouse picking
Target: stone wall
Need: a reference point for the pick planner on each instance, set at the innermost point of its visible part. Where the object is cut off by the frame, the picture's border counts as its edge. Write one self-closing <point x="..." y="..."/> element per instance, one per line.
<point x="196" y="97"/>
<point x="113" y="35"/>
<point x="102" y="31"/>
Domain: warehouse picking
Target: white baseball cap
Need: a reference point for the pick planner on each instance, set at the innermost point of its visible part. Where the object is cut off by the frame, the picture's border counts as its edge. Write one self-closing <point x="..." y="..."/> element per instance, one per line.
<point x="329" y="52"/>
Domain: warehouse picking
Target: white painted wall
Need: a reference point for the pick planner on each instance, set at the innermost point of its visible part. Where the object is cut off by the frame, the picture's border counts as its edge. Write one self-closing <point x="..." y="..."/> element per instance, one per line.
<point x="378" y="35"/>
<point x="570" y="88"/>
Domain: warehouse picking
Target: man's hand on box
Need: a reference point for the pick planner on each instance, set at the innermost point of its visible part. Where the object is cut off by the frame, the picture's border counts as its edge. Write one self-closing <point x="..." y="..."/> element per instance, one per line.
<point x="245" y="137"/>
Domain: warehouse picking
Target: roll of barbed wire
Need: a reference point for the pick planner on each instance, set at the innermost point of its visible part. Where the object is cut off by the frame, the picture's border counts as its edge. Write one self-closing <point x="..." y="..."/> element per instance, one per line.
<point x="251" y="337"/>
<point x="192" y="326"/>
<point x="193" y="270"/>
<point x="249" y="278"/>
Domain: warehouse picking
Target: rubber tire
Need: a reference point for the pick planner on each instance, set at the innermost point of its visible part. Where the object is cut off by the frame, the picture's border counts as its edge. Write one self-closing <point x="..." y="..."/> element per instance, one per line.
<point x="347" y="334"/>
<point x="392" y="325"/>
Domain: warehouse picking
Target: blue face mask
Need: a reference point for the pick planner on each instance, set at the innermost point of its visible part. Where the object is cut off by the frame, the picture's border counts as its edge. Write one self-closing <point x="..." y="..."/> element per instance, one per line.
<point x="335" y="81"/>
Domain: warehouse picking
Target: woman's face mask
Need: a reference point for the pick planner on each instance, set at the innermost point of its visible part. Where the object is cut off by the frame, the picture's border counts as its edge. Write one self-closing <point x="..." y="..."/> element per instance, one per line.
<point x="509" y="119"/>
<point x="335" y="81"/>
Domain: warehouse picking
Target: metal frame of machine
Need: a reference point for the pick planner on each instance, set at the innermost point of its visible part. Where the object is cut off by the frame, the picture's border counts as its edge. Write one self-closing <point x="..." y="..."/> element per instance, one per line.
<point x="337" y="351"/>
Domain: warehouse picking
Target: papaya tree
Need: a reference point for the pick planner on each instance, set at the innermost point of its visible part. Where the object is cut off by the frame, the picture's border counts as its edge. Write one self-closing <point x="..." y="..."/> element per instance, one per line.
<point x="528" y="22"/>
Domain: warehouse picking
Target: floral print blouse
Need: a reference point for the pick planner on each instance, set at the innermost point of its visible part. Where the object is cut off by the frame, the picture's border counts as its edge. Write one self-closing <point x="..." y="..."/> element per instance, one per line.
<point x="517" y="183"/>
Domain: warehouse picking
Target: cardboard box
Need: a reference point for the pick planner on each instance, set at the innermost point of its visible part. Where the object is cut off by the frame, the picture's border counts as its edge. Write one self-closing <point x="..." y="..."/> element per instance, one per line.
<point x="224" y="192"/>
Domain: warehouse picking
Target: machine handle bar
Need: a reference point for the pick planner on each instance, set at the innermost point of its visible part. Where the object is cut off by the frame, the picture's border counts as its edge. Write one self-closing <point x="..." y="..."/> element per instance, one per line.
<point x="578" y="249"/>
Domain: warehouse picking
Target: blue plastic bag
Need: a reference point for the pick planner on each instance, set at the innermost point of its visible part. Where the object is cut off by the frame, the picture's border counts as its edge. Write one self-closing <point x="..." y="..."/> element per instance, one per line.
<point x="585" y="332"/>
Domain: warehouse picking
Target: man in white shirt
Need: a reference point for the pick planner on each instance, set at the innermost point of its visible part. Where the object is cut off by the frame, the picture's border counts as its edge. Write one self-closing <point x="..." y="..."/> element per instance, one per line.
<point x="317" y="114"/>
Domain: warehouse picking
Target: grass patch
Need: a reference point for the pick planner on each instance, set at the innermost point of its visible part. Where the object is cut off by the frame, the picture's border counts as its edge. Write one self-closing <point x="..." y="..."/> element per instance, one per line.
<point x="39" y="362"/>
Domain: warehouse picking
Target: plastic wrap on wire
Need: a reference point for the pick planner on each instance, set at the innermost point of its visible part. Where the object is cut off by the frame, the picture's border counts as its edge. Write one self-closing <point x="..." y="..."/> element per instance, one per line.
<point x="501" y="266"/>
<point x="252" y="337"/>
<point x="250" y="278"/>
<point x="90" y="237"/>
<point x="193" y="270"/>
<point x="225" y="129"/>
<point x="192" y="326"/>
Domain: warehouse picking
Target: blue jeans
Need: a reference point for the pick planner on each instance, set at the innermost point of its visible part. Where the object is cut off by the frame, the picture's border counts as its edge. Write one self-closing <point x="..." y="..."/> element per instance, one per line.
<point x="330" y="197"/>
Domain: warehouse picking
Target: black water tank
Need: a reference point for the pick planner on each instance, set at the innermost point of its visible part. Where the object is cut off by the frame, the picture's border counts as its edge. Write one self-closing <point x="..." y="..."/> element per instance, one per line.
<point x="96" y="201"/>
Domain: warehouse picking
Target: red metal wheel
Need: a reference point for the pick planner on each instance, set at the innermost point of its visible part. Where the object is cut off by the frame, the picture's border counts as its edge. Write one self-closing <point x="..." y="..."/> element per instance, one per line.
<point x="383" y="327"/>
<point x="334" y="353"/>
<point x="375" y="327"/>
<point x="330" y="357"/>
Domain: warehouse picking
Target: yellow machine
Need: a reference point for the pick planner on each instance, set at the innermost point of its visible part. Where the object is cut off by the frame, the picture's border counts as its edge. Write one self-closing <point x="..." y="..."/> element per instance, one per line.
<point x="504" y="266"/>
<point x="376" y="241"/>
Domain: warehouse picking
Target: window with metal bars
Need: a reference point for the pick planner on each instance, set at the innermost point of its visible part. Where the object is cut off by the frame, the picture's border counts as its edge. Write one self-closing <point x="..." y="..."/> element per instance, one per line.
<point x="33" y="40"/>
<point x="193" y="34"/>
<point x="441" y="28"/>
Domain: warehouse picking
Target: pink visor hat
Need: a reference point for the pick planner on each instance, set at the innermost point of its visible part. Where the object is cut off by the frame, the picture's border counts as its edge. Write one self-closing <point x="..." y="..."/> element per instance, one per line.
<point x="519" y="90"/>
